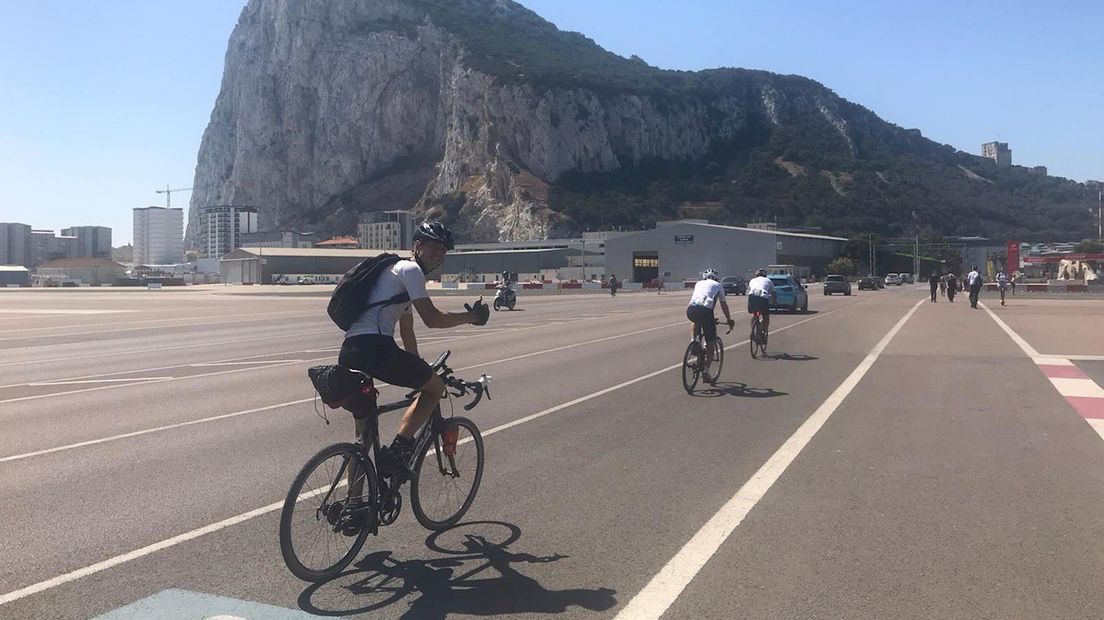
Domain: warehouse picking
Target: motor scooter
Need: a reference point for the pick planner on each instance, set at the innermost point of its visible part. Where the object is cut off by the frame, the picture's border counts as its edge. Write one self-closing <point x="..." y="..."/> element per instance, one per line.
<point x="506" y="297"/>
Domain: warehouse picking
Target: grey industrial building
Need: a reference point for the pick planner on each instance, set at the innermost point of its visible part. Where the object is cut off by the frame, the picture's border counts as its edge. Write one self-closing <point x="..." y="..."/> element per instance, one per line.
<point x="14" y="275"/>
<point x="680" y="250"/>
<point x="526" y="263"/>
<point x="276" y="265"/>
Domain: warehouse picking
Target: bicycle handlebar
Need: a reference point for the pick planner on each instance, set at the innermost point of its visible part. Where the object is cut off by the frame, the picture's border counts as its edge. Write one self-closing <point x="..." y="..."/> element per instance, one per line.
<point x="479" y="387"/>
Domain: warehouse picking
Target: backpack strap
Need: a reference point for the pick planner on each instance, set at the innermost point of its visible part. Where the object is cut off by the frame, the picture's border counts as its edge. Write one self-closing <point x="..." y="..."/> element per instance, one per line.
<point x="397" y="299"/>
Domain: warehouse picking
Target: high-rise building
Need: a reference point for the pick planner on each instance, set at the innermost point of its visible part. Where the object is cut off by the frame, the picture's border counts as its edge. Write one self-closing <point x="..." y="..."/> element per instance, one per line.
<point x="387" y="230"/>
<point x="92" y="241"/>
<point x="998" y="152"/>
<point x="15" y="244"/>
<point x="47" y="246"/>
<point x="158" y="235"/>
<point x="221" y="227"/>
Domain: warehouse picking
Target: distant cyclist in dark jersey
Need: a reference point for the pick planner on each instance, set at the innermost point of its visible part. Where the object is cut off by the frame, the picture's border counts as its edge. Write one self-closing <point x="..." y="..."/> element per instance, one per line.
<point x="370" y="346"/>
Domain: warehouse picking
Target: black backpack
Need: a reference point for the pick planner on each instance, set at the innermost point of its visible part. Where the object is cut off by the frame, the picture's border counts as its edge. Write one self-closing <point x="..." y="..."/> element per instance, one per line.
<point x="350" y="298"/>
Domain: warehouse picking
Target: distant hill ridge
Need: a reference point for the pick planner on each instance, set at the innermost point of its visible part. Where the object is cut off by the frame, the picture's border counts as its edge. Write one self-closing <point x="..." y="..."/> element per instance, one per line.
<point x="484" y="114"/>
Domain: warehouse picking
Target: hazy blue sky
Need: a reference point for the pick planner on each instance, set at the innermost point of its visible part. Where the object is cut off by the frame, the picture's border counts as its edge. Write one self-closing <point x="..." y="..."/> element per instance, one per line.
<point x="104" y="102"/>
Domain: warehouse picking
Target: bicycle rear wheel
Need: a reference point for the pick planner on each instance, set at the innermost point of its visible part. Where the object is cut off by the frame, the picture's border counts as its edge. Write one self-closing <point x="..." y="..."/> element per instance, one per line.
<point x="753" y="340"/>
<point x="316" y="515"/>
<point x="718" y="361"/>
<point x="444" y="485"/>
<point x="690" y="370"/>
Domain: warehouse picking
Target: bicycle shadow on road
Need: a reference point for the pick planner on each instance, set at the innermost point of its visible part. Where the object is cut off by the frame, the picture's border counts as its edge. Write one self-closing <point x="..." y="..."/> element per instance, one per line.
<point x="786" y="357"/>
<point x="475" y="576"/>
<point x="724" y="388"/>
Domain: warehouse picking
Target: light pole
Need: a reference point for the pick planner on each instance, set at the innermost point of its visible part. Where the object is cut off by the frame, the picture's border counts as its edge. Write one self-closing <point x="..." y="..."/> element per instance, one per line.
<point x="582" y="253"/>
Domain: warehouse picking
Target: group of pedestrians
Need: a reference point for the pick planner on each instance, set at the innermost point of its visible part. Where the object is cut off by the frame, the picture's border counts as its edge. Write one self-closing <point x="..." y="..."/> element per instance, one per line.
<point x="949" y="284"/>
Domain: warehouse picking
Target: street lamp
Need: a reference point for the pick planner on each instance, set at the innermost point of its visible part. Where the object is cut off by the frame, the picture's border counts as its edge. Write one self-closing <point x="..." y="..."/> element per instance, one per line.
<point x="582" y="253"/>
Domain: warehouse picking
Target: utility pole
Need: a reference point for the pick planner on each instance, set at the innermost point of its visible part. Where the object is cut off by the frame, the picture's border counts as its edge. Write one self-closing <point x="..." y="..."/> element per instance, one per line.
<point x="168" y="193"/>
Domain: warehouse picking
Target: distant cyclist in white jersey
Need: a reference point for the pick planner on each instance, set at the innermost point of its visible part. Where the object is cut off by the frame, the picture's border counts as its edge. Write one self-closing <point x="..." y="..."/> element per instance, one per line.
<point x="707" y="293"/>
<point x="760" y="296"/>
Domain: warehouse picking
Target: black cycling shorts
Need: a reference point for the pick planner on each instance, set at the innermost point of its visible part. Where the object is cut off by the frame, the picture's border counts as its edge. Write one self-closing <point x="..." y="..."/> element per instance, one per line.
<point x="703" y="319"/>
<point x="381" y="358"/>
<point x="762" y="304"/>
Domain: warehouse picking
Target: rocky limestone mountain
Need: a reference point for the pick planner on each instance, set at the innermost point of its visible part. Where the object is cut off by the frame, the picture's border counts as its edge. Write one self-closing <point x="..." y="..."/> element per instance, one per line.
<point x="482" y="113"/>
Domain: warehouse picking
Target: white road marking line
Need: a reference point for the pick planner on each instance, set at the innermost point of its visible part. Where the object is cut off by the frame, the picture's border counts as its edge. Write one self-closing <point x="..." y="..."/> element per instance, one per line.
<point x="1077" y="387"/>
<point x="1048" y="360"/>
<point x="227" y="321"/>
<point x="159" y="349"/>
<point x="225" y="523"/>
<point x="1085" y="358"/>
<point x="139" y="379"/>
<point x="443" y="339"/>
<point x="1028" y="349"/>
<point x="672" y="579"/>
<point x="59" y="311"/>
<point x="91" y="442"/>
<point x="1097" y="425"/>
<point x="252" y="363"/>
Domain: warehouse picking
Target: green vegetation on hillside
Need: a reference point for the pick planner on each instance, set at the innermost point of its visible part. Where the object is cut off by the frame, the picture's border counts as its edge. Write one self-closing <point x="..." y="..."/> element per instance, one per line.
<point x="802" y="172"/>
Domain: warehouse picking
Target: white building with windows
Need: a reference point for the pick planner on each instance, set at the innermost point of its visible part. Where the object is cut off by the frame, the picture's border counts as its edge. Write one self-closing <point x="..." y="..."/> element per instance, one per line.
<point x="158" y="235"/>
<point x="387" y="230"/>
<point x="221" y="228"/>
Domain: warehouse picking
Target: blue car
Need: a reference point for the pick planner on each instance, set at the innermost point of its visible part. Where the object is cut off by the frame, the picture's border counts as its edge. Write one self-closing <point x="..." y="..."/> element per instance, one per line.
<point x="790" y="293"/>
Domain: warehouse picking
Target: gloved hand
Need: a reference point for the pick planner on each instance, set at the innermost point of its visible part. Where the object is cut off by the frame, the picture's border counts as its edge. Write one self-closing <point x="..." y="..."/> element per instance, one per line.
<point x="481" y="311"/>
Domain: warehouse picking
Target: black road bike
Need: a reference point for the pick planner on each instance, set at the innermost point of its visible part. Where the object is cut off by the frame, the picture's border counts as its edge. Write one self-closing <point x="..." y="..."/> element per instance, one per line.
<point x="339" y="497"/>
<point x="697" y="365"/>
<point x="758" y="338"/>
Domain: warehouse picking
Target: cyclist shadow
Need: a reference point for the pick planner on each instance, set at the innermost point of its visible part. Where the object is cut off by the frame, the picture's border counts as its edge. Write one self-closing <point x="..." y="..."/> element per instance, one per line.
<point x="800" y="357"/>
<point x="449" y="585"/>
<point x="723" y="388"/>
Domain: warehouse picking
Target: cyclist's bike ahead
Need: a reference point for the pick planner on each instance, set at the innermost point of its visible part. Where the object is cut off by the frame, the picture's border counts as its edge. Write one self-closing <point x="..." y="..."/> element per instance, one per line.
<point x="703" y="359"/>
<point x="339" y="497"/>
<point x="758" y="338"/>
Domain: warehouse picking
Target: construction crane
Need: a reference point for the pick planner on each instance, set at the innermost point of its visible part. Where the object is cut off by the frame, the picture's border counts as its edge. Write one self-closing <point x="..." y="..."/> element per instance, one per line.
<point x="168" y="193"/>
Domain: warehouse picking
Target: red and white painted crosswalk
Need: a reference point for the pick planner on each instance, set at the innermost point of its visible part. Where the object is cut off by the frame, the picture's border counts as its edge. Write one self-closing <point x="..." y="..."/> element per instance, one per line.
<point x="1080" y="391"/>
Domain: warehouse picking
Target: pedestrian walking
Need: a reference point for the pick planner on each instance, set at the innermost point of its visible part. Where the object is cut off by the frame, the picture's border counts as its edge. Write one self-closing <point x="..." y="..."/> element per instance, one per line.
<point x="952" y="286"/>
<point x="974" y="281"/>
<point x="943" y="286"/>
<point x="1012" y="282"/>
<point x="933" y="283"/>
<point x="1002" y="283"/>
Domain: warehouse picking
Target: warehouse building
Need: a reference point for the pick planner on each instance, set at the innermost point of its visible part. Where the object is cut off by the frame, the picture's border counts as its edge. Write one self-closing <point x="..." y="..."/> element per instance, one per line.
<point x="291" y="265"/>
<point x="681" y="250"/>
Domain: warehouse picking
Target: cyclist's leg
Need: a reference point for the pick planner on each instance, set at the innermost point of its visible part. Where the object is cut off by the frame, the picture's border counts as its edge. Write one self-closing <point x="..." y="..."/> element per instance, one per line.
<point x="709" y="330"/>
<point x="408" y="370"/>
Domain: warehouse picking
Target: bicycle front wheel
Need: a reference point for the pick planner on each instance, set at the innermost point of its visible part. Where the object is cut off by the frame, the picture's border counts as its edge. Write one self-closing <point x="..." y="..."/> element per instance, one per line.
<point x="718" y="361"/>
<point x="690" y="370"/>
<point x="323" y="525"/>
<point x="444" y="485"/>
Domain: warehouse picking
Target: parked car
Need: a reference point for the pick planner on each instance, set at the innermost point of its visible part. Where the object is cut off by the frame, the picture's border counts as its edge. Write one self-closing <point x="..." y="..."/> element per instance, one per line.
<point x="870" y="283"/>
<point x="906" y="278"/>
<point x="734" y="285"/>
<point x="790" y="294"/>
<point x="892" y="279"/>
<point x="837" y="284"/>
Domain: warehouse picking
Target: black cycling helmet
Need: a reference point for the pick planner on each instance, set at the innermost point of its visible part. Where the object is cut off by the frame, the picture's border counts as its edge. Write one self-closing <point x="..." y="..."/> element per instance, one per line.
<point x="434" y="231"/>
<point x="761" y="272"/>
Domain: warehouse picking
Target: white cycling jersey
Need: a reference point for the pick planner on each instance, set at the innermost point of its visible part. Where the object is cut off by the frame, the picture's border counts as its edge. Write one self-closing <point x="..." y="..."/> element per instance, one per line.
<point x="761" y="286"/>
<point x="404" y="275"/>
<point x="706" y="293"/>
